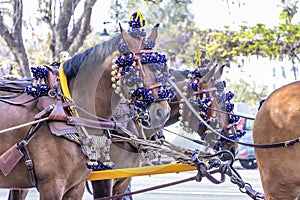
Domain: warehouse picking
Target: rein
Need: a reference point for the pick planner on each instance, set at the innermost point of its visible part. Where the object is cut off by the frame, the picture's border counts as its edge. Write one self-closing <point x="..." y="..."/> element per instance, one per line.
<point x="17" y="103"/>
<point x="16" y="87"/>
<point x="24" y="125"/>
<point x="273" y="145"/>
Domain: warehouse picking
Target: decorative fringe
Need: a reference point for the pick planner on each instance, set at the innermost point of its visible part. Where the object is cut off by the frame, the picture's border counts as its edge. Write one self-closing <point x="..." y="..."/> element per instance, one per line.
<point x="94" y="164"/>
<point x="38" y="87"/>
<point x="108" y="163"/>
<point x="146" y="161"/>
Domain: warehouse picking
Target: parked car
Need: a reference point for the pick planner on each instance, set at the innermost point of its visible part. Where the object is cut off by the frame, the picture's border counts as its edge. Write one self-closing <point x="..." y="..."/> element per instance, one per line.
<point x="246" y="155"/>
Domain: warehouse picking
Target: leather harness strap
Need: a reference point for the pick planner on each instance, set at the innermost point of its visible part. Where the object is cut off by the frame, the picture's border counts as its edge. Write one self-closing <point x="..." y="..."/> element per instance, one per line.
<point x="79" y="121"/>
<point x="28" y="163"/>
<point x="23" y="148"/>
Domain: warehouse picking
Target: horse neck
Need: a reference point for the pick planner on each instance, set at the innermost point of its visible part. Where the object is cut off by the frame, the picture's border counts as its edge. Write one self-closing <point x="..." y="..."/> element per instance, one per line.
<point x="92" y="89"/>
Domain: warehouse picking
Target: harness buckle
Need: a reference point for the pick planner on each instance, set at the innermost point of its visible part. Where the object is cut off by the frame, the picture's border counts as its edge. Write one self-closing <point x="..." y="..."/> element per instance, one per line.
<point x="29" y="164"/>
<point x="52" y="93"/>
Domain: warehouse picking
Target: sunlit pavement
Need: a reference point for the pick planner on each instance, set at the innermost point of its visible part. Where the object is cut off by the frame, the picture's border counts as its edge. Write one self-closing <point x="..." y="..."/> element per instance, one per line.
<point x="189" y="190"/>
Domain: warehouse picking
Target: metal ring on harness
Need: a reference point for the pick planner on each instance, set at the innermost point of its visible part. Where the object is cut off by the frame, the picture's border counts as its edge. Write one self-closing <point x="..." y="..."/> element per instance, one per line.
<point x="52" y="93"/>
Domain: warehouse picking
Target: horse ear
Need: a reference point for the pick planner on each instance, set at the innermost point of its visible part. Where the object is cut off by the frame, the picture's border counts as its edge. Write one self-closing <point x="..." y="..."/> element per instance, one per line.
<point x="219" y="72"/>
<point x="130" y="41"/>
<point x="210" y="73"/>
<point x="154" y="33"/>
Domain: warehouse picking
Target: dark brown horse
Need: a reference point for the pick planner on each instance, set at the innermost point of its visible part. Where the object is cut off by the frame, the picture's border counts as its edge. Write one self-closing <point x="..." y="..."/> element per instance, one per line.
<point x="59" y="164"/>
<point x="125" y="155"/>
<point x="278" y="121"/>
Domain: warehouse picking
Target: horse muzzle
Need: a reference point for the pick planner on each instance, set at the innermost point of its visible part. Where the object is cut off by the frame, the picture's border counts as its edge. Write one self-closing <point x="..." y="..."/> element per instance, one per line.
<point x="159" y="113"/>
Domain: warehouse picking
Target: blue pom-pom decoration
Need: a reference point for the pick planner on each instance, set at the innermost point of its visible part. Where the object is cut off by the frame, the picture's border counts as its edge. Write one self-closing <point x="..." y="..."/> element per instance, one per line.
<point x="142" y="97"/>
<point x="135" y="23"/>
<point x="38" y="89"/>
<point x="39" y="72"/>
<point x="233" y="119"/>
<point x="97" y="165"/>
<point x="220" y="86"/>
<point x="148" y="44"/>
<point x="229" y="96"/>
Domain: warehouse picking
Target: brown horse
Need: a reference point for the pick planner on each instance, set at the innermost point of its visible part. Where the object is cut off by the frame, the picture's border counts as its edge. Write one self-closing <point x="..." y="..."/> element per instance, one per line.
<point x="278" y="121"/>
<point x="59" y="164"/>
<point x="125" y="155"/>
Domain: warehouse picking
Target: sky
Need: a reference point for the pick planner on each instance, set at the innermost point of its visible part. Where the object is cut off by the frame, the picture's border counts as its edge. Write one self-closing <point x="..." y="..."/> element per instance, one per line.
<point x="216" y="14"/>
<point x="208" y="13"/>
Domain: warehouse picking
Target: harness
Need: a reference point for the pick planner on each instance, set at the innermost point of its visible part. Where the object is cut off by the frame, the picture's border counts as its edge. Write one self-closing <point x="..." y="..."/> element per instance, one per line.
<point x="55" y="109"/>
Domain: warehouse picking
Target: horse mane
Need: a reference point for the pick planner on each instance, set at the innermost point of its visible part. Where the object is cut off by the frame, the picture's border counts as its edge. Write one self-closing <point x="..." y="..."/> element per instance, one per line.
<point x="96" y="54"/>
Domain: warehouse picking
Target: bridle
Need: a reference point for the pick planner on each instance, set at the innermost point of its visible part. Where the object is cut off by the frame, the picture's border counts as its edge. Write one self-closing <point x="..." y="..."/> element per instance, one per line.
<point x="128" y="68"/>
<point x="205" y="99"/>
<point x="272" y="145"/>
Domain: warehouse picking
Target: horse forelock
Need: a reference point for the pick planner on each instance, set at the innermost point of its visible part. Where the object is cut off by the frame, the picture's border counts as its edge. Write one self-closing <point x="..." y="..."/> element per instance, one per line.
<point x="89" y="57"/>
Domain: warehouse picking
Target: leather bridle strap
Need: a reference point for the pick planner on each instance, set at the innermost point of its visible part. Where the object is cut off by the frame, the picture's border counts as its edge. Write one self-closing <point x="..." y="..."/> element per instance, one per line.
<point x="287" y="143"/>
<point x="28" y="163"/>
<point x="272" y="145"/>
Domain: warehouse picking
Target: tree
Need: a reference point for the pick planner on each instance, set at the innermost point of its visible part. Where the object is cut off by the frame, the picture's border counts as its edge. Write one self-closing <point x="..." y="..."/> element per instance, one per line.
<point x="245" y="92"/>
<point x="289" y="9"/>
<point x="13" y="36"/>
<point x="65" y="35"/>
<point x="173" y="17"/>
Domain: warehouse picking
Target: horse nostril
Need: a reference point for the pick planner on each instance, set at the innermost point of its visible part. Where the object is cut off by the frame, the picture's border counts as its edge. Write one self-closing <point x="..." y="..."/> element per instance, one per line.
<point x="159" y="114"/>
<point x="233" y="149"/>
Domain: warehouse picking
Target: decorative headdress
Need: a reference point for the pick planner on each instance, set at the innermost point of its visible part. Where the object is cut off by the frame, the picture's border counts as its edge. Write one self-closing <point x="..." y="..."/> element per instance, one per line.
<point x="203" y="99"/>
<point x="125" y="67"/>
<point x="136" y="24"/>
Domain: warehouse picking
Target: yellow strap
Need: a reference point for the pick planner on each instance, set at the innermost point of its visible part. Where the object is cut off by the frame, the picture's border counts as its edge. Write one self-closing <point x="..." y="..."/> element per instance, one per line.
<point x="65" y="88"/>
<point x="140" y="171"/>
<point x="63" y="82"/>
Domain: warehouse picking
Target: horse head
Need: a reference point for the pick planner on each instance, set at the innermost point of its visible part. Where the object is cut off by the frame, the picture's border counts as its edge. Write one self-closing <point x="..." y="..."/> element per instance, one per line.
<point x="143" y="72"/>
<point x="206" y="94"/>
<point x="135" y="73"/>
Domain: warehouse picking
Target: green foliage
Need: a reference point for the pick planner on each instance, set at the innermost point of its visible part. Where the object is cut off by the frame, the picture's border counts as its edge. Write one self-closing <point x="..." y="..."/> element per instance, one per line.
<point x="225" y="45"/>
<point x="289" y="9"/>
<point x="245" y="92"/>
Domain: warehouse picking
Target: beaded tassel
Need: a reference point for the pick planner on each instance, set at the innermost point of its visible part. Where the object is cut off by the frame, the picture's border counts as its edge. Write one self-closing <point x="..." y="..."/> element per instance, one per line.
<point x="147" y="161"/>
<point x="159" y="161"/>
<point x="108" y="163"/>
<point x="93" y="163"/>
